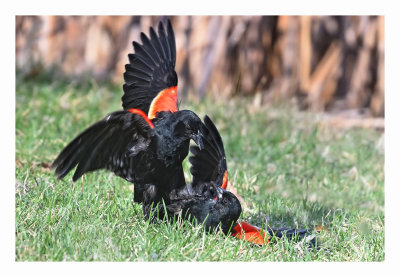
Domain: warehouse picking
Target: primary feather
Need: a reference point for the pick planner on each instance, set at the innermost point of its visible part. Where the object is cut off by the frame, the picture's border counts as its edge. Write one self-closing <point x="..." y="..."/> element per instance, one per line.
<point x="151" y="68"/>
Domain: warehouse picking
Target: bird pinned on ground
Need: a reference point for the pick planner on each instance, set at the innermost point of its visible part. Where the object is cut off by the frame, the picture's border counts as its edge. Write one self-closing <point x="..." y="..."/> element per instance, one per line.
<point x="209" y="164"/>
<point x="205" y="199"/>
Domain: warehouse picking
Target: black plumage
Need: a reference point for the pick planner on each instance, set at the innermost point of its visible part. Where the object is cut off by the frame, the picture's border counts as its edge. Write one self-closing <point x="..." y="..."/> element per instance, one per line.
<point x="209" y="163"/>
<point x="151" y="69"/>
<point x="105" y="144"/>
<point x="125" y="144"/>
<point x="149" y="151"/>
<point x="204" y="199"/>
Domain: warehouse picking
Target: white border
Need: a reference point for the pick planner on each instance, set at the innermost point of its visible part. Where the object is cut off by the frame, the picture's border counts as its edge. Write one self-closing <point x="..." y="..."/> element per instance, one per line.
<point x="204" y="7"/>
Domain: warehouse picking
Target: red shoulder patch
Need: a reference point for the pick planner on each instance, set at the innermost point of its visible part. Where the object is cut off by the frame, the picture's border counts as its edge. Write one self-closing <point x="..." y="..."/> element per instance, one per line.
<point x="142" y="114"/>
<point x="165" y="101"/>
<point x="225" y="180"/>
<point x="246" y="231"/>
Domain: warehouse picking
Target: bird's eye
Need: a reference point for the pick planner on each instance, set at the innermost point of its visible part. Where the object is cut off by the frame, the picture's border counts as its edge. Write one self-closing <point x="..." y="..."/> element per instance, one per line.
<point x="212" y="191"/>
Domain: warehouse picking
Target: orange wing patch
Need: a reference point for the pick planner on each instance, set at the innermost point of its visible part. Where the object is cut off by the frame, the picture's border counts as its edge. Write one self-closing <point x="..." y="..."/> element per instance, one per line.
<point x="250" y="233"/>
<point x="225" y="180"/>
<point x="142" y="114"/>
<point x="165" y="101"/>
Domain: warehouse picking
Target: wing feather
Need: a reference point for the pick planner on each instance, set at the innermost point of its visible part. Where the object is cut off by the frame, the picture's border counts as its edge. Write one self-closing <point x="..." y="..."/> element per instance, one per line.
<point x="209" y="163"/>
<point x="151" y="68"/>
<point x="105" y="145"/>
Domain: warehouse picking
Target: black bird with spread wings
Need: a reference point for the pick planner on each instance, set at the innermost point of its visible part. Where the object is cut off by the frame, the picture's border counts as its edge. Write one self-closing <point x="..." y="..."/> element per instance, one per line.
<point x="146" y="142"/>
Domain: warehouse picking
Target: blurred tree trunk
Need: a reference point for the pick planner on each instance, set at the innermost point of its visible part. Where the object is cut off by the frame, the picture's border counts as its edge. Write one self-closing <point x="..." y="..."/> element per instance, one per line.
<point x="322" y="62"/>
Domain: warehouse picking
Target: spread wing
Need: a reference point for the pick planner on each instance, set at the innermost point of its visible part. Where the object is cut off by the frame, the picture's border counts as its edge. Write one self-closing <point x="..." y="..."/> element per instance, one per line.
<point x="209" y="164"/>
<point x="151" y="70"/>
<point x="107" y="144"/>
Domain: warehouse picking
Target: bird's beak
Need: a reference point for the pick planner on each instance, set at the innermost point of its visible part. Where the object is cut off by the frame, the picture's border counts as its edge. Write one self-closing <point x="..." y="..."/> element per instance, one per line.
<point x="199" y="141"/>
<point x="219" y="193"/>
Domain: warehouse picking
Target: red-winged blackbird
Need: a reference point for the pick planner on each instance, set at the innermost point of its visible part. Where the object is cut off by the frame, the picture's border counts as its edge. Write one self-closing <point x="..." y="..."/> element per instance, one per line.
<point x="209" y="167"/>
<point x="205" y="198"/>
<point x="147" y="142"/>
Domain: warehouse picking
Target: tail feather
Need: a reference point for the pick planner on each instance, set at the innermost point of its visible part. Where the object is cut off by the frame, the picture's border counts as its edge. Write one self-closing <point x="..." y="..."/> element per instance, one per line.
<point x="289" y="233"/>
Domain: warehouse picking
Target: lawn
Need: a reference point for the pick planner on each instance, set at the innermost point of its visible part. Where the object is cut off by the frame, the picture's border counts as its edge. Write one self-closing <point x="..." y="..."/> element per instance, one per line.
<point x="289" y="171"/>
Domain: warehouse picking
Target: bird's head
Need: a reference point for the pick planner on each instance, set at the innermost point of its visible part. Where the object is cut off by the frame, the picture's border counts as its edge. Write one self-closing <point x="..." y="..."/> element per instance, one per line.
<point x="229" y="209"/>
<point x="222" y="207"/>
<point x="189" y="126"/>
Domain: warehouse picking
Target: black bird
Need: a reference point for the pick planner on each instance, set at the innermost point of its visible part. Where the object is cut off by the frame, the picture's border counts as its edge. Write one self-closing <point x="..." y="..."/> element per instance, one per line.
<point x="148" y="140"/>
<point x="205" y="199"/>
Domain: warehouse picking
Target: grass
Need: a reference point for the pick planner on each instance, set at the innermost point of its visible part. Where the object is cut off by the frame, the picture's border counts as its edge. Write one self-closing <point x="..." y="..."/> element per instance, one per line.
<point x="290" y="172"/>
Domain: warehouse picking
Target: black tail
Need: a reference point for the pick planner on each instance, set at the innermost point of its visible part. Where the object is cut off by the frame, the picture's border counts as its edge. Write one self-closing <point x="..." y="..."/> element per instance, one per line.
<point x="294" y="235"/>
<point x="289" y="233"/>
